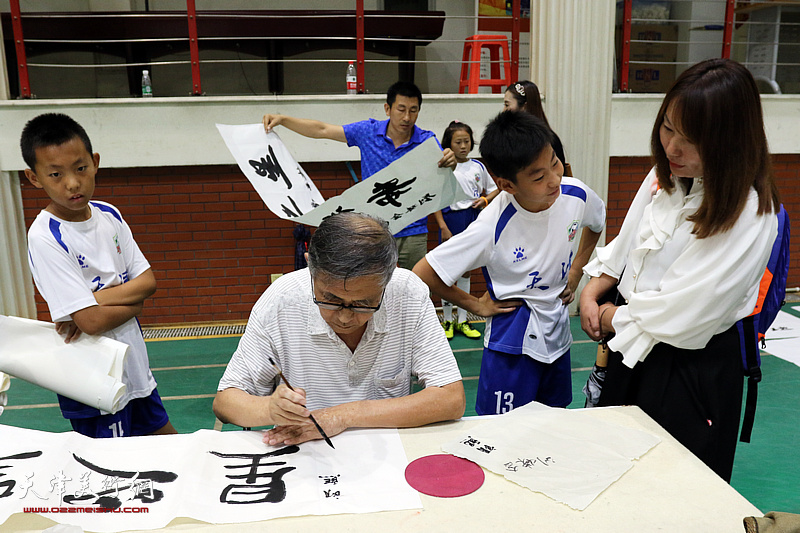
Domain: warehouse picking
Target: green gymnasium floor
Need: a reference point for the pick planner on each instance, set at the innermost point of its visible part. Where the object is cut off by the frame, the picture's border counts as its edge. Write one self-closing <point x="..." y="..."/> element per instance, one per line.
<point x="188" y="370"/>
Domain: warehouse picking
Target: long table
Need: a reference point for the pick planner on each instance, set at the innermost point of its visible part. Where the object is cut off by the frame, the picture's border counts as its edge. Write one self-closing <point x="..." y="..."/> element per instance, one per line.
<point x="668" y="489"/>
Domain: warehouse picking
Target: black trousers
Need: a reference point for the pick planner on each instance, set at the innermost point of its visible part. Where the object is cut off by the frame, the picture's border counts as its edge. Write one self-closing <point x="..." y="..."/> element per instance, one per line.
<point x="696" y="395"/>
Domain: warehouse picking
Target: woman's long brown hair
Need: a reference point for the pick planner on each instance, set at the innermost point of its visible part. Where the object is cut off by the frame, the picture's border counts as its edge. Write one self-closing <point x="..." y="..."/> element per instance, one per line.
<point x="716" y="106"/>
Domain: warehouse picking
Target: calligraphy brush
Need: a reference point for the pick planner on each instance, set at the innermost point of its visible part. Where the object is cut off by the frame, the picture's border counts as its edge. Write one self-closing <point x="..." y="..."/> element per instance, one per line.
<point x="286" y="381"/>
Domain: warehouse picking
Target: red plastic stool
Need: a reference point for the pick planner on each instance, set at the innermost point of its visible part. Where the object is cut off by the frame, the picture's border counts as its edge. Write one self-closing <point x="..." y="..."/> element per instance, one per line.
<point x="471" y="63"/>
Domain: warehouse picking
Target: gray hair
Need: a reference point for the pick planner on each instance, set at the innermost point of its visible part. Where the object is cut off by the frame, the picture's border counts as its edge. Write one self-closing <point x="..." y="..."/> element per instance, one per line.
<point x="351" y="245"/>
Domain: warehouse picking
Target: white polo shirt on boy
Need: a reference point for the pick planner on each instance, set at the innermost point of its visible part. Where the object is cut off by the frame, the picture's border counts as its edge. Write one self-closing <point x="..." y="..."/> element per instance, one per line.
<point x="72" y="260"/>
<point x="527" y="256"/>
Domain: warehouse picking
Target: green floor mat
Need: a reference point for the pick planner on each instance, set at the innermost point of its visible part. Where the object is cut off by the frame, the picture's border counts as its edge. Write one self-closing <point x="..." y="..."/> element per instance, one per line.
<point x="766" y="470"/>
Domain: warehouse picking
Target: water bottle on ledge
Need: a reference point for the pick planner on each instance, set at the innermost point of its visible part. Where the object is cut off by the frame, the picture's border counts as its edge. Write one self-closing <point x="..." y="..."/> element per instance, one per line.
<point x="351" y="78"/>
<point x="147" y="86"/>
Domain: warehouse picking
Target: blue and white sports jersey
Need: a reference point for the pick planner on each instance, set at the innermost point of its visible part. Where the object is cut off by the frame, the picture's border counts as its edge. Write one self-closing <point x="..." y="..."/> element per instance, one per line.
<point x="72" y="260"/>
<point x="527" y="256"/>
<point x="474" y="179"/>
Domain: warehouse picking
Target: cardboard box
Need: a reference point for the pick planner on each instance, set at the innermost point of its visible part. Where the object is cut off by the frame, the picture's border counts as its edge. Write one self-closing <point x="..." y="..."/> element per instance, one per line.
<point x="651" y="78"/>
<point x="656" y="76"/>
<point x="663" y="45"/>
<point x="662" y="48"/>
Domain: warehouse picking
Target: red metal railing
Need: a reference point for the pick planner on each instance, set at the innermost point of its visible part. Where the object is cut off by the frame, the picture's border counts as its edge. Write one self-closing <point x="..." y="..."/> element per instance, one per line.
<point x="515" y="24"/>
<point x="627" y="8"/>
<point x="19" y="44"/>
<point x="727" y="32"/>
<point x="191" y="15"/>
<point x="194" y="49"/>
<point x="360" y="46"/>
<point x="625" y="49"/>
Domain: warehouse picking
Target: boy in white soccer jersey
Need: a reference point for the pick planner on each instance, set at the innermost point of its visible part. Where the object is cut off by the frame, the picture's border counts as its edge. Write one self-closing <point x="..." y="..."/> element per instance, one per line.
<point x="90" y="271"/>
<point x="524" y="242"/>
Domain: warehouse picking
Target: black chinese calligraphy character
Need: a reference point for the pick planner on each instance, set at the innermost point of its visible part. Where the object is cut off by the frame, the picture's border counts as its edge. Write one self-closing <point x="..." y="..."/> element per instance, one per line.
<point x="527" y="463"/>
<point x="289" y="212"/>
<point x="427" y="198"/>
<point x="110" y="497"/>
<point x="332" y="480"/>
<point x="7" y="486"/>
<point x="338" y="210"/>
<point x="388" y="192"/>
<point x="530" y="463"/>
<point x="537" y="279"/>
<point x="270" y="167"/>
<point x="470" y="441"/>
<point x="271" y="491"/>
<point x="485" y="448"/>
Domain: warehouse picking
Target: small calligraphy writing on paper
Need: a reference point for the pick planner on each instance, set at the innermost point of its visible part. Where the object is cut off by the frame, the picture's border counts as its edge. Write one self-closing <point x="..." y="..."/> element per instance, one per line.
<point x="513" y="466"/>
<point x="331" y="480"/>
<point x="475" y="443"/>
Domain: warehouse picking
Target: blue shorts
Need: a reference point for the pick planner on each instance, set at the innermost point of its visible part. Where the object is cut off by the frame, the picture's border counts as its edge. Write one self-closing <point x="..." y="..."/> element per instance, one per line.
<point x="510" y="380"/>
<point x="142" y="416"/>
<point x="457" y="221"/>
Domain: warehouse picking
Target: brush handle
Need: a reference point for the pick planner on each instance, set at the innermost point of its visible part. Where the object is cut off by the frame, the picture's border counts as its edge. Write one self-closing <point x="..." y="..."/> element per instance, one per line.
<point x="319" y="428"/>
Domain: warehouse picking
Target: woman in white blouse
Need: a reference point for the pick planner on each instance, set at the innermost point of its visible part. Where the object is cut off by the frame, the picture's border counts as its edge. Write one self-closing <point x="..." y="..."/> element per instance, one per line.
<point x="688" y="260"/>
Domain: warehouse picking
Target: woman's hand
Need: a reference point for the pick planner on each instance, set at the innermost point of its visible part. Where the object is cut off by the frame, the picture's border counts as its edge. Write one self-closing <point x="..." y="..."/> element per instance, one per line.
<point x="590" y="317"/>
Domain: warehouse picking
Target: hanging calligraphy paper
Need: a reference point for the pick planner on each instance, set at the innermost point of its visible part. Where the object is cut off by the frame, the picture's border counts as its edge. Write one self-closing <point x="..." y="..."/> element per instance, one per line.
<point x="562" y="453"/>
<point x="410" y="188"/>
<point x="217" y="477"/>
<point x="266" y="162"/>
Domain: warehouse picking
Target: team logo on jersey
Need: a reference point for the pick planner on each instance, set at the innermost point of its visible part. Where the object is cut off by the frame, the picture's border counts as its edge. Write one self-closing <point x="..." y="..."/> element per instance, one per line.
<point x="519" y="254"/>
<point x="82" y="261"/>
<point x="572" y="230"/>
<point x="116" y="242"/>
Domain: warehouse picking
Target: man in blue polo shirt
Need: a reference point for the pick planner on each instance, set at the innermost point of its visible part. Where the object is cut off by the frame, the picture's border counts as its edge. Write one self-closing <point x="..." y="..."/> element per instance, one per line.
<point x="380" y="142"/>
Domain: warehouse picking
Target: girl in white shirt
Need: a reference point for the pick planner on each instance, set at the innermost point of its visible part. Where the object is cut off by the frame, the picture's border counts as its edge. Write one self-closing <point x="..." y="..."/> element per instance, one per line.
<point x="453" y="219"/>
<point x="687" y="262"/>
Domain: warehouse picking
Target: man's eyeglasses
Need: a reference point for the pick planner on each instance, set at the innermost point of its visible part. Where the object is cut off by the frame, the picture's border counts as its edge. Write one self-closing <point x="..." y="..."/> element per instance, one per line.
<point x="329" y="306"/>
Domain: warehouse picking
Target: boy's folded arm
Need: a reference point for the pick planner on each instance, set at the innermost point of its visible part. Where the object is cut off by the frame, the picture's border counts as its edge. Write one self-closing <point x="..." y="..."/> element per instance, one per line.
<point x="132" y="292"/>
<point x="98" y="319"/>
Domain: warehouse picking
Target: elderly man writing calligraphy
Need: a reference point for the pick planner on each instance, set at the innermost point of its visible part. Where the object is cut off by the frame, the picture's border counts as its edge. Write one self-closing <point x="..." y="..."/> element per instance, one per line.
<point x="327" y="328"/>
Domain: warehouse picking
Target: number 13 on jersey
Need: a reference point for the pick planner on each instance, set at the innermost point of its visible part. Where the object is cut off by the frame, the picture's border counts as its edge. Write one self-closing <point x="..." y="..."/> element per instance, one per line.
<point x="505" y="402"/>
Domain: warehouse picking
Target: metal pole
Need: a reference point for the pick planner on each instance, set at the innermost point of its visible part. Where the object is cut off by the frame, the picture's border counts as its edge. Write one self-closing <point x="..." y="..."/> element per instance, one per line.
<point x="727" y="34"/>
<point x="360" y="47"/>
<point x="19" y="43"/>
<point x="194" y="51"/>
<point x="626" y="45"/>
<point x="515" y="26"/>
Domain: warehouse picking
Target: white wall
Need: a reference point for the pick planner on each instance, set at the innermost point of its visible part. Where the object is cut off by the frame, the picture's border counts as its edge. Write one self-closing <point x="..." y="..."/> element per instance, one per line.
<point x="180" y="131"/>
